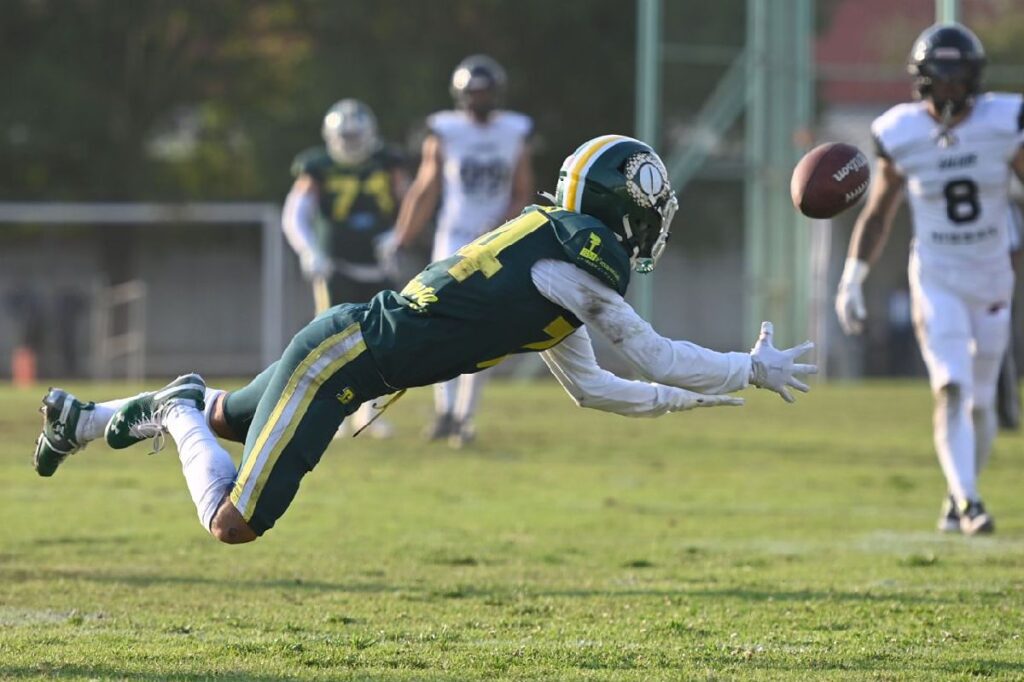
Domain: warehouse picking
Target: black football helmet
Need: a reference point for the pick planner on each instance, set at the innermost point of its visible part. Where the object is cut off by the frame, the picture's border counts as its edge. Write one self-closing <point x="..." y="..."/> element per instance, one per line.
<point x="947" y="53"/>
<point x="475" y="74"/>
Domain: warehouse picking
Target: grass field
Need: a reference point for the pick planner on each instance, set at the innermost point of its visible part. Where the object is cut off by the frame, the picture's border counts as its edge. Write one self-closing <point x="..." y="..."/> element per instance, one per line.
<point x="771" y="541"/>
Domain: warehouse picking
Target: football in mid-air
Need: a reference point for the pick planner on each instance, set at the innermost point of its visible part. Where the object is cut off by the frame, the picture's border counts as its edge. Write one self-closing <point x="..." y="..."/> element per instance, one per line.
<point x="829" y="179"/>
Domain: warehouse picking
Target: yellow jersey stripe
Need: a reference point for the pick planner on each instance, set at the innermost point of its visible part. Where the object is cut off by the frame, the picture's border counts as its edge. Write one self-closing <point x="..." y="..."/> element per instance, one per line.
<point x="305" y="380"/>
<point x="579" y="164"/>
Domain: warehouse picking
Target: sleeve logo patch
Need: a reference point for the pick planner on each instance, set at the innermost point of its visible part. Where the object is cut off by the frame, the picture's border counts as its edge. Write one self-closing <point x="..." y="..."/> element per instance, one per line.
<point x="419" y="295"/>
<point x="591" y="253"/>
<point x="592" y="250"/>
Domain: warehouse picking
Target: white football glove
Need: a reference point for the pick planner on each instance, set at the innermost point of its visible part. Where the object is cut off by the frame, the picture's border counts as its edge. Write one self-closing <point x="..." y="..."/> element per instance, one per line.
<point x="385" y="250"/>
<point x="850" y="296"/>
<point x="681" y="400"/>
<point x="774" y="369"/>
<point x="315" y="265"/>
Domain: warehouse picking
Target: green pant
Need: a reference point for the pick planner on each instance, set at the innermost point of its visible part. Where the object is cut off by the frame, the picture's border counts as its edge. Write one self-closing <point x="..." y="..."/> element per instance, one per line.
<point x="291" y="411"/>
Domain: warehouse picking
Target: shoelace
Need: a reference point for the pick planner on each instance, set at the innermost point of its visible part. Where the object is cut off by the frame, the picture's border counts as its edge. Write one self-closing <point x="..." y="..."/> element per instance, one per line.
<point x="156" y="421"/>
<point x="149" y="428"/>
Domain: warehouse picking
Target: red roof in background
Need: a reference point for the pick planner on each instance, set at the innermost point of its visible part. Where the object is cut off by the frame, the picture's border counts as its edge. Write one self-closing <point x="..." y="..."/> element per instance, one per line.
<point x="871" y="39"/>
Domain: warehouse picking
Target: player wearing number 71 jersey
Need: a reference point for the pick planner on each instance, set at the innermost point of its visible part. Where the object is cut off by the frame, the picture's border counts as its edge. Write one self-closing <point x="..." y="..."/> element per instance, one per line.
<point x="953" y="151"/>
<point x="538" y="283"/>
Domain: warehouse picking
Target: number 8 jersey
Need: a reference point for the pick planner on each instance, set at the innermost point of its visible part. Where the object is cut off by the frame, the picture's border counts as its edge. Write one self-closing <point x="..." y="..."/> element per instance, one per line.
<point x="479" y="161"/>
<point x="957" y="182"/>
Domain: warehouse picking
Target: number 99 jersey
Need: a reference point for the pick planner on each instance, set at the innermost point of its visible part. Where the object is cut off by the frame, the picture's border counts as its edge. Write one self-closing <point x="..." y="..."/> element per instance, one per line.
<point x="479" y="161"/>
<point x="957" y="182"/>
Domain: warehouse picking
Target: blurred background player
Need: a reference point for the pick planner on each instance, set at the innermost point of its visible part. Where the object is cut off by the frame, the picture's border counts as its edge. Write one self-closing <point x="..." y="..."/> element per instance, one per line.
<point x="345" y="195"/>
<point x="1008" y="387"/>
<point x="953" y="150"/>
<point x="476" y="162"/>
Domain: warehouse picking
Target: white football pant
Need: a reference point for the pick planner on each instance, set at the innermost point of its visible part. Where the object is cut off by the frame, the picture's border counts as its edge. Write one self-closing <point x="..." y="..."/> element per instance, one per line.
<point x="962" y="341"/>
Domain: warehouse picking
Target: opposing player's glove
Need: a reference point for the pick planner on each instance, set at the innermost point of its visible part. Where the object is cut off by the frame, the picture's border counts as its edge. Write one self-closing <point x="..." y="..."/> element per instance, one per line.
<point x="774" y="369"/>
<point x="850" y="297"/>
<point x="385" y="249"/>
<point x="315" y="265"/>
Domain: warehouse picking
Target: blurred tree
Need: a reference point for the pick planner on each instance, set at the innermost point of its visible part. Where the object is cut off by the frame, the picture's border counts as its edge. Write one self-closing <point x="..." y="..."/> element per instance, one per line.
<point x="165" y="99"/>
<point x="91" y="85"/>
<point x="185" y="99"/>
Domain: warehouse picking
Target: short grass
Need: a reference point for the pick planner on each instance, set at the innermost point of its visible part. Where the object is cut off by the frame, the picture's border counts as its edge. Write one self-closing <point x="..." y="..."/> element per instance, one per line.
<point x="771" y="541"/>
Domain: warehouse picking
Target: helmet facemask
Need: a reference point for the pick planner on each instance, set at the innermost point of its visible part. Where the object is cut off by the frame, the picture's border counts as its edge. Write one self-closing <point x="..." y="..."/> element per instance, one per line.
<point x="646" y="255"/>
<point x="478" y="85"/>
<point x="950" y="73"/>
<point x="648" y="222"/>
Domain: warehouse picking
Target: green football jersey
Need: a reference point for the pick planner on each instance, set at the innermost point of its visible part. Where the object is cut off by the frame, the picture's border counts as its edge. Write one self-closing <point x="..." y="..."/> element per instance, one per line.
<point x="469" y="312"/>
<point x="357" y="203"/>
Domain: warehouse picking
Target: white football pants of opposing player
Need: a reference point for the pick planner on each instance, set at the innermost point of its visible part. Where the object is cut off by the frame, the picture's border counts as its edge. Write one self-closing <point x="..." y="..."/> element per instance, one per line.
<point x="962" y="340"/>
<point x="460" y="396"/>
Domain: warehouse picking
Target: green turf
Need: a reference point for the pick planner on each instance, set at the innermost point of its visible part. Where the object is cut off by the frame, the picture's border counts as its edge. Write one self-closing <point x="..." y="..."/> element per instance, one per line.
<point x="771" y="541"/>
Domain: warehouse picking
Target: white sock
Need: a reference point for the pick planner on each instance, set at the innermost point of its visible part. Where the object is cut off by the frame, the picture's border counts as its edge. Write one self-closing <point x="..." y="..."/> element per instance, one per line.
<point x="363" y="415"/>
<point x="209" y="398"/>
<point x="954" y="444"/>
<point x="93" y="423"/>
<point x="985" y="426"/>
<point x="444" y="396"/>
<point x="470" y="387"/>
<point x="209" y="471"/>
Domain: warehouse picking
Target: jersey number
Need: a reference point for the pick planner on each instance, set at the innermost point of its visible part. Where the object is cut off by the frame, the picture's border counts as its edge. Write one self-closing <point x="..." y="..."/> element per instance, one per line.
<point x="481" y="255"/>
<point x="483" y="176"/>
<point x="961" y="200"/>
<point x="346" y="188"/>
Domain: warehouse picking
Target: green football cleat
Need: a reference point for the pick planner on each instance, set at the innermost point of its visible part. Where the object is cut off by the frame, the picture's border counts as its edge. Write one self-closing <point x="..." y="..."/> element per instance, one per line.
<point x="141" y="417"/>
<point x="61" y="413"/>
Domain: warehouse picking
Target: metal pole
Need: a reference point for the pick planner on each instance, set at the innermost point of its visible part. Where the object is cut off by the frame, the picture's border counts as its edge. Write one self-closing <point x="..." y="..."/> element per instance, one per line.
<point x="755" y="239"/>
<point x="648" y="79"/>
<point x="804" y="84"/>
<point x="779" y="108"/>
<point x="947" y="11"/>
<point x="272" y="284"/>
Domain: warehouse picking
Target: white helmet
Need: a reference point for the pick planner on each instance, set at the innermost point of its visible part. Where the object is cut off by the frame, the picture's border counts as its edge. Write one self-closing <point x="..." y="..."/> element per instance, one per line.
<point x="350" y="131"/>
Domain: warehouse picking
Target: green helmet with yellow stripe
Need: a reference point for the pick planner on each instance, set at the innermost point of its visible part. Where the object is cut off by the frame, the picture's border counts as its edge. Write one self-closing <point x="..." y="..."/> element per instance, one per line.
<point x="623" y="183"/>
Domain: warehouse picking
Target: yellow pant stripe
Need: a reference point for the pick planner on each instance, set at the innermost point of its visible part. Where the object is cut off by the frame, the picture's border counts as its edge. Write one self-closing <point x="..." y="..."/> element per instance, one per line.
<point x="316" y="368"/>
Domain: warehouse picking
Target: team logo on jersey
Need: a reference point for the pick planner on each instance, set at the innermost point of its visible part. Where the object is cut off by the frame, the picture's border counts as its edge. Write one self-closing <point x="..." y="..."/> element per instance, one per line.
<point x="646" y="179"/>
<point x="945" y="139"/>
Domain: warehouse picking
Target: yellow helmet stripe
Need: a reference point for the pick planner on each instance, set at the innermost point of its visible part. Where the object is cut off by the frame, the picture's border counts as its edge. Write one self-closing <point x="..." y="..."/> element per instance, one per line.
<point x="584" y="158"/>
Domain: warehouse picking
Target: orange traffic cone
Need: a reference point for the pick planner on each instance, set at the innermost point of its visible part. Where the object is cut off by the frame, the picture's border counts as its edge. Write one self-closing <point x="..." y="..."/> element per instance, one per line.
<point x="23" y="367"/>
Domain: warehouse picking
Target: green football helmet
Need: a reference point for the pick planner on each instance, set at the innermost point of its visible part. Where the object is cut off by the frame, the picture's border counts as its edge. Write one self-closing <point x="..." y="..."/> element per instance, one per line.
<point x="623" y="183"/>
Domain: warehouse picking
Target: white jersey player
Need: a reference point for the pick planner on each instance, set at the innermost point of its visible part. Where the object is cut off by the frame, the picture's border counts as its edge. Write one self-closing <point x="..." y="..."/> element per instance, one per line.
<point x="953" y="152"/>
<point x="476" y="163"/>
